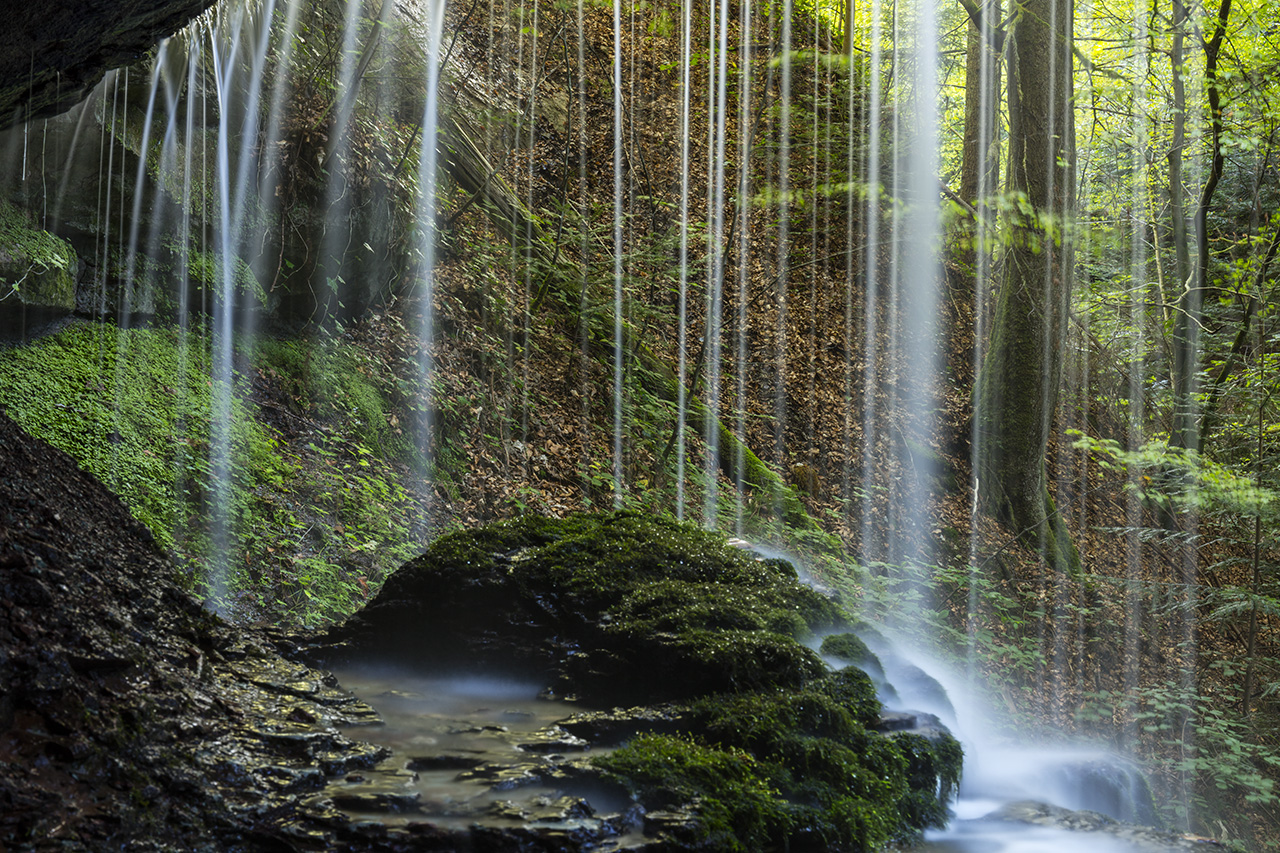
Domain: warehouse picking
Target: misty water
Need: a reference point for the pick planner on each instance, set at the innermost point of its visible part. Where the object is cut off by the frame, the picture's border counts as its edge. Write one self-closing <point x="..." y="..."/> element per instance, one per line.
<point x="468" y="748"/>
<point x="449" y="730"/>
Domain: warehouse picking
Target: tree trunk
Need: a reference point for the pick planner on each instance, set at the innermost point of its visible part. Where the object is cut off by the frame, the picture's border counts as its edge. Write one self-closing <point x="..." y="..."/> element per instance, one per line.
<point x="1177" y="208"/>
<point x="849" y="13"/>
<point x="1186" y="328"/>
<point x="1017" y="388"/>
<point x="980" y="162"/>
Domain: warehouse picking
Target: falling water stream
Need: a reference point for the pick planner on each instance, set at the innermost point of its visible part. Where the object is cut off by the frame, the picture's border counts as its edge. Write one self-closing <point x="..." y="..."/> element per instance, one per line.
<point x="1003" y="769"/>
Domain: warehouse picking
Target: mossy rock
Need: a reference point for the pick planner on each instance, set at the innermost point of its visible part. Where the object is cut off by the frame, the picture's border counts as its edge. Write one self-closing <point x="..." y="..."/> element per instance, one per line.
<point x="612" y="607"/>
<point x="848" y="648"/>
<point x="760" y="746"/>
<point x="37" y="269"/>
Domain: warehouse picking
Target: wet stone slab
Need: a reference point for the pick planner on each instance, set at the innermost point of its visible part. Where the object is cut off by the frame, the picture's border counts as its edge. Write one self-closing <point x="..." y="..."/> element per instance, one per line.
<point x="480" y="762"/>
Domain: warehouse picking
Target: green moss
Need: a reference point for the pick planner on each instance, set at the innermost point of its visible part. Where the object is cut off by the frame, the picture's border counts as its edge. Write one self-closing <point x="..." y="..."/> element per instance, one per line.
<point x="853" y="689"/>
<point x="133" y="408"/>
<point x="726" y="659"/>
<point x="929" y="763"/>
<point x="670" y="605"/>
<point x="846" y="647"/>
<point x="206" y="268"/>
<point x="737" y="809"/>
<point x="835" y="785"/>
<point x="667" y="610"/>
<point x="771" y="749"/>
<point x="849" y="648"/>
<point x="766" y="721"/>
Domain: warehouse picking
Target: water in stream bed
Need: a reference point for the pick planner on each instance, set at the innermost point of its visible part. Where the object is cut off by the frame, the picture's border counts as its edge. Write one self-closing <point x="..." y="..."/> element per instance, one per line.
<point x="981" y="836"/>
<point x="471" y="749"/>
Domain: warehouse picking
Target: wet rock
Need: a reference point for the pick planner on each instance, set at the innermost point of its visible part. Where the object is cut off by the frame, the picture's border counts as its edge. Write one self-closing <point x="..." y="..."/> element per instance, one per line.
<point x="554" y="739"/>
<point x="545" y="810"/>
<point x="129" y="717"/>
<point x="504" y="777"/>
<point x="1143" y="839"/>
<point x="682" y="824"/>
<point x="56" y="51"/>
<point x="921" y="689"/>
<point x="619" y="724"/>
<point x="362" y="800"/>
<point x="444" y="761"/>
<point x="919" y="723"/>
<point x="663" y="612"/>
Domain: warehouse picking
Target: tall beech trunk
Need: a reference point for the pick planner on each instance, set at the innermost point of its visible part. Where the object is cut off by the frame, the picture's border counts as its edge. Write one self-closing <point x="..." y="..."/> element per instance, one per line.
<point x="1186" y="327"/>
<point x="1017" y="390"/>
<point x="980" y="155"/>
<point x="1177" y="206"/>
<point x="980" y="160"/>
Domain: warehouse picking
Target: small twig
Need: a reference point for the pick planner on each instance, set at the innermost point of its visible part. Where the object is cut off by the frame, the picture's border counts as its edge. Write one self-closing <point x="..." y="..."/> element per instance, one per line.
<point x="973" y="211"/>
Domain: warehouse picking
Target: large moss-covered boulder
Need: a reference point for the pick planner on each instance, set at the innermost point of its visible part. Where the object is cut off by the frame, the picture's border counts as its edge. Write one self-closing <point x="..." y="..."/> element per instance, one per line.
<point x="613" y="608"/>
<point x="728" y="730"/>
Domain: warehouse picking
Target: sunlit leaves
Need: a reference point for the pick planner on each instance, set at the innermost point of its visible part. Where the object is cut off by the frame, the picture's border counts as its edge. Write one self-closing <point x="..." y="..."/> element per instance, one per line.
<point x="1183" y="478"/>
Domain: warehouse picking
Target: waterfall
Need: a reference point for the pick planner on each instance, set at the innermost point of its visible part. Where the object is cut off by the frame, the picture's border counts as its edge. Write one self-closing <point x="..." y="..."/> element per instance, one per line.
<point x="428" y="171"/>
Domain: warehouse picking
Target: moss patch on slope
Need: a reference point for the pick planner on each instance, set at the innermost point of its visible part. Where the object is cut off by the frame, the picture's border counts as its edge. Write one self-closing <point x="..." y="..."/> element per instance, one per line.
<point x="315" y="509"/>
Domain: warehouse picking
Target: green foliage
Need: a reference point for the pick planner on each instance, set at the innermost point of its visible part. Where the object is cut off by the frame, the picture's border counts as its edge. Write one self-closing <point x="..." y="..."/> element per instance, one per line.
<point x="207" y="269"/>
<point x="133" y="408"/>
<point x="317" y="529"/>
<point x="1229" y="752"/>
<point x="330" y="380"/>
<point x="1176" y="478"/>
<point x="41" y="266"/>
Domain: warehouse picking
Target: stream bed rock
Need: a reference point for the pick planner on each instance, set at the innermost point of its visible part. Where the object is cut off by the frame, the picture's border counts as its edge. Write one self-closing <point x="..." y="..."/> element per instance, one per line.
<point x="1141" y="839"/>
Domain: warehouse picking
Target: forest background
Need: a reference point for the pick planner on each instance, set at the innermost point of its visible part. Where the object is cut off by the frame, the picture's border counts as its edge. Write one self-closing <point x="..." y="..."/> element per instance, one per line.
<point x="674" y="266"/>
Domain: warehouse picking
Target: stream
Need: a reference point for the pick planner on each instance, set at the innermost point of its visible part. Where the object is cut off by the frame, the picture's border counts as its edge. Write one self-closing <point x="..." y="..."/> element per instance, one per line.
<point x="1091" y="784"/>
<point x="472" y="749"/>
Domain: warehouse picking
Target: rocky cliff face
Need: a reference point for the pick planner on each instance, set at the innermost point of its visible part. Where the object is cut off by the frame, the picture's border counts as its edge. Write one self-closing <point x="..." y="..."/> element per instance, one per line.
<point x="53" y="53"/>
